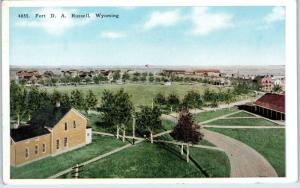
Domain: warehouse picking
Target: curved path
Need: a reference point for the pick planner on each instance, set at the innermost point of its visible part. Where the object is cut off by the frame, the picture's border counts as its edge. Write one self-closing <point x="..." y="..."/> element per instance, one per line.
<point x="244" y="160"/>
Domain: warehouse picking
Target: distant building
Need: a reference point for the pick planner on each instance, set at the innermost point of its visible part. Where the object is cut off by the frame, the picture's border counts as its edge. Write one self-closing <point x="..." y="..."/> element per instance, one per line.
<point x="72" y="73"/>
<point x="29" y="77"/>
<point x="50" y="132"/>
<point x="208" y="72"/>
<point x="266" y="84"/>
<point x="279" y="80"/>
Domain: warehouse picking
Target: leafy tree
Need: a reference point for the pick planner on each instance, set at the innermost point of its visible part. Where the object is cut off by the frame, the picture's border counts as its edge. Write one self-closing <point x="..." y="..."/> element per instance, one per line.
<point x="125" y="76"/>
<point x="151" y="79"/>
<point x="192" y="100"/>
<point x="150" y="74"/>
<point x="143" y="78"/>
<point x="157" y="79"/>
<point x="116" y="75"/>
<point x="90" y="101"/>
<point x="56" y="97"/>
<point x="148" y="120"/>
<point x="76" y="99"/>
<point x="277" y="88"/>
<point x="136" y="74"/>
<point x="17" y="101"/>
<point x="117" y="109"/>
<point x="186" y="130"/>
<point x="159" y="99"/>
<point x="33" y="101"/>
<point x="173" y="101"/>
<point x="76" y="80"/>
<point x="135" y="78"/>
<point x="229" y="98"/>
<point x="65" y="100"/>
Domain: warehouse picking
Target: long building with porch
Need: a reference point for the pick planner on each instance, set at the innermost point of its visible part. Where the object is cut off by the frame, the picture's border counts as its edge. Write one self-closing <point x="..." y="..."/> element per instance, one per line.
<point x="270" y="105"/>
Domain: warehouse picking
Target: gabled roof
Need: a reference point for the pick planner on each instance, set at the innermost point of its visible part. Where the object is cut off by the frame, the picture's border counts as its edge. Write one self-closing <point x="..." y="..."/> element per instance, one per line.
<point x="272" y="101"/>
<point x="49" y="116"/>
<point x="26" y="132"/>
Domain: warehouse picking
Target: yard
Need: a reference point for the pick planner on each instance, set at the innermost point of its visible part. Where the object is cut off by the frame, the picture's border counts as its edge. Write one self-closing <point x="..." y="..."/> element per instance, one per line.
<point x="147" y="160"/>
<point x="203" y="116"/>
<point x="141" y="94"/>
<point x="48" y="166"/>
<point x="243" y="122"/>
<point x="268" y="142"/>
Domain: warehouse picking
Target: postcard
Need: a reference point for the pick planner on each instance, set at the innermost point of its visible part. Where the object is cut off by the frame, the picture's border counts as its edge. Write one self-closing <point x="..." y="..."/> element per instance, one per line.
<point x="149" y="92"/>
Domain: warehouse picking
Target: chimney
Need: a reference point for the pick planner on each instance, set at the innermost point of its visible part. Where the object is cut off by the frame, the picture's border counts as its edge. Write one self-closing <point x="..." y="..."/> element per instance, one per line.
<point x="57" y="105"/>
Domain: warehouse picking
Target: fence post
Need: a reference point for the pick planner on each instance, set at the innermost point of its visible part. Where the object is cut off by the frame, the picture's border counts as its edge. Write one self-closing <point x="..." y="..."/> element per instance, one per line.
<point x="187" y="153"/>
<point x="181" y="149"/>
<point x="76" y="171"/>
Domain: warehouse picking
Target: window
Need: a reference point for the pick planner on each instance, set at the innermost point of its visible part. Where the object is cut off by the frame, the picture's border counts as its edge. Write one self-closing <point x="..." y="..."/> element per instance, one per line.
<point x="36" y="149"/>
<point x="74" y="124"/>
<point x="57" y="144"/>
<point x="66" y="126"/>
<point x="65" y="142"/>
<point x="26" y="152"/>
<point x="44" y="148"/>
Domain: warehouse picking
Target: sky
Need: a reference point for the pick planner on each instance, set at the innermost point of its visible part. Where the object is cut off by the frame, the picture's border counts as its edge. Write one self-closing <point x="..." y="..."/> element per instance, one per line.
<point x="160" y="36"/>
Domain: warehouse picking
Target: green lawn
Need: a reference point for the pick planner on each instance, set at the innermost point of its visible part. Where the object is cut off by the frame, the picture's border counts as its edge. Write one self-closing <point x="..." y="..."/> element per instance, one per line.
<point x="242" y="114"/>
<point x="142" y="94"/>
<point x="49" y="166"/>
<point x="268" y="142"/>
<point x="167" y="124"/>
<point x="243" y="122"/>
<point x="203" y="116"/>
<point x="147" y="160"/>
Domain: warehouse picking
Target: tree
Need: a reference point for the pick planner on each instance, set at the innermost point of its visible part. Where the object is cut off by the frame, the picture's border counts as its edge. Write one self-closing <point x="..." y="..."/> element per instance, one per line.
<point x="65" y="100"/>
<point x="192" y="100"/>
<point x="159" y="99"/>
<point x="148" y="120"/>
<point x="116" y="75"/>
<point x="151" y="79"/>
<point x="125" y="77"/>
<point x="186" y="131"/>
<point x="90" y="101"/>
<point x="117" y="109"/>
<point x="228" y="97"/>
<point x="277" y="88"/>
<point x="17" y="101"/>
<point x="56" y="97"/>
<point x="76" y="99"/>
<point x="173" y="101"/>
<point x="33" y="101"/>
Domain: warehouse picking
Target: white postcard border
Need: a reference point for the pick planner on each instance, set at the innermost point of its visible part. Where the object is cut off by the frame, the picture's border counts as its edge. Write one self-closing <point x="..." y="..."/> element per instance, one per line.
<point x="291" y="88"/>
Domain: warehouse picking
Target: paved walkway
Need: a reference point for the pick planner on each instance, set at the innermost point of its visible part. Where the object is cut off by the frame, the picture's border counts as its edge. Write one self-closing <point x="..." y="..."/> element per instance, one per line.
<point x="242" y="127"/>
<point x="244" y="160"/>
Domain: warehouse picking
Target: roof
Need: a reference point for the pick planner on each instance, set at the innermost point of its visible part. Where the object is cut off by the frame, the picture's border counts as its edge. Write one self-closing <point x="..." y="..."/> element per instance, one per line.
<point x="272" y="101"/>
<point x="26" y="132"/>
<point x="49" y="116"/>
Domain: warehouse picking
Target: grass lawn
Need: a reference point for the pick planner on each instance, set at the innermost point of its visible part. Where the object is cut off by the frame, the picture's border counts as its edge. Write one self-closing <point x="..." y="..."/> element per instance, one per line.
<point x="203" y="116"/>
<point x="242" y="114"/>
<point x="142" y="94"/>
<point x="243" y="122"/>
<point x="167" y="124"/>
<point x="147" y="160"/>
<point x="268" y="142"/>
<point x="51" y="165"/>
<point x="215" y="163"/>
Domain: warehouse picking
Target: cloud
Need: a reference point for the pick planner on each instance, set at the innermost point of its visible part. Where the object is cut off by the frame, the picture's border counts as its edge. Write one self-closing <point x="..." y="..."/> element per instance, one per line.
<point x="112" y="35"/>
<point x="206" y="22"/>
<point x="163" y="19"/>
<point x="277" y="14"/>
<point x="57" y="25"/>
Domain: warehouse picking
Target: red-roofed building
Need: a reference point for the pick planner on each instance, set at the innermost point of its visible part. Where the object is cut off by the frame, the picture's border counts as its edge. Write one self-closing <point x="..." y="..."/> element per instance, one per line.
<point x="266" y="84"/>
<point x="271" y="105"/>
